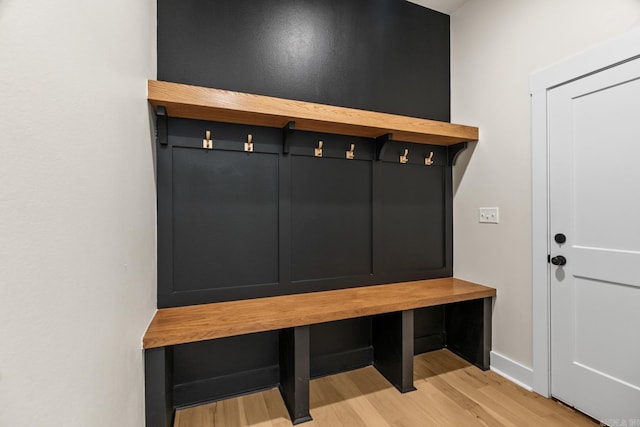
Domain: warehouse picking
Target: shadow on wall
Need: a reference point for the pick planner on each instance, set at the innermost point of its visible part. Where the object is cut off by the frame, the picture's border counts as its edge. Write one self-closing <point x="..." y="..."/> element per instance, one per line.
<point x="461" y="165"/>
<point x="153" y="133"/>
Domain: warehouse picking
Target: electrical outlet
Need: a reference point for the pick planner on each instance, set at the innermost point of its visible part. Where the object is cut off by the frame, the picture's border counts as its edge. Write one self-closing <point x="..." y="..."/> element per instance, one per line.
<point x="489" y="215"/>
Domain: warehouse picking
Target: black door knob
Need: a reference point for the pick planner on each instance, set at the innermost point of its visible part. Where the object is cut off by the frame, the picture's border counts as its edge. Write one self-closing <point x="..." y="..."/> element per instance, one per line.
<point x="558" y="260"/>
<point x="560" y="238"/>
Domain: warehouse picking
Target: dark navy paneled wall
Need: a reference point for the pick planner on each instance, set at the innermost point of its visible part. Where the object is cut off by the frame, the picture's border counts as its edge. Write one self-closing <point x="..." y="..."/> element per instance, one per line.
<point x="381" y="55"/>
<point x="235" y="225"/>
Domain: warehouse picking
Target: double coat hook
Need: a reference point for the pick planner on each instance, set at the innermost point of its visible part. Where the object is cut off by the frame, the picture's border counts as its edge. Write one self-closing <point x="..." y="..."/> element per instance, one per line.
<point x="207" y="143"/>
<point x="429" y="160"/>
<point x="248" y="146"/>
<point x="350" y="153"/>
<point x="404" y="158"/>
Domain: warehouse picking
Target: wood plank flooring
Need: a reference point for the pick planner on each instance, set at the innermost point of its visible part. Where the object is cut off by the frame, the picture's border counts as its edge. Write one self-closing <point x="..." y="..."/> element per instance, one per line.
<point x="450" y="391"/>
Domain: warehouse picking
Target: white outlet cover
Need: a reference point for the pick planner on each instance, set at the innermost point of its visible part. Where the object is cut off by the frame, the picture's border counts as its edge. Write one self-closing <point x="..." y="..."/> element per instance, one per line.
<point x="489" y="215"/>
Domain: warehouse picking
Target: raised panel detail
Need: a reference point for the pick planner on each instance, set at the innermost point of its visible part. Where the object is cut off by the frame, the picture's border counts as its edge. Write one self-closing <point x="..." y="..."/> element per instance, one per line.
<point x="331" y="218"/>
<point x="412" y="205"/>
<point x="225" y="219"/>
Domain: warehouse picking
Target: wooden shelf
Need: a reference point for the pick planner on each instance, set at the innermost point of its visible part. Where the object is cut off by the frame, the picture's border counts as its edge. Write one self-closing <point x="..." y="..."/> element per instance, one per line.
<point x="202" y="103"/>
<point x="179" y="325"/>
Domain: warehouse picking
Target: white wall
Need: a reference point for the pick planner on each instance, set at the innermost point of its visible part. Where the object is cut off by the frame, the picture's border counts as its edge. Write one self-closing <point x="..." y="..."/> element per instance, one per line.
<point x="77" y="210"/>
<point x="496" y="45"/>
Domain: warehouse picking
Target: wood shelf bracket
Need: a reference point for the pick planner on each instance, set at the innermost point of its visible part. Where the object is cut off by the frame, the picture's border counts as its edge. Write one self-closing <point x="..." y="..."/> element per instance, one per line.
<point x="381" y="144"/>
<point x="287" y="134"/>
<point x="453" y="151"/>
<point x="162" y="125"/>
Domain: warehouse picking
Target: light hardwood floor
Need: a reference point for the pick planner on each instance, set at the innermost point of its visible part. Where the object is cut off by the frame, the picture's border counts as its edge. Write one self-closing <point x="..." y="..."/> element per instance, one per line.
<point x="449" y="392"/>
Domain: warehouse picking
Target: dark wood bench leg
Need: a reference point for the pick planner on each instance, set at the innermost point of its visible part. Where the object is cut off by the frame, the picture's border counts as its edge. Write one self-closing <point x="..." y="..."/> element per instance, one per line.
<point x="392" y="336"/>
<point x="294" y="372"/>
<point x="158" y="386"/>
<point x="468" y="329"/>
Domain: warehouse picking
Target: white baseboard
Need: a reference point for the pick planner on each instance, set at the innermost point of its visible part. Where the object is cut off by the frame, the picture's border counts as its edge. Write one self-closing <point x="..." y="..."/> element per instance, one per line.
<point x="511" y="370"/>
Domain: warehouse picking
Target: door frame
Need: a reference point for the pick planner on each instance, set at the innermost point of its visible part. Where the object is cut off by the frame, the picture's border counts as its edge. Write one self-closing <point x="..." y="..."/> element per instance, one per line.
<point x="607" y="55"/>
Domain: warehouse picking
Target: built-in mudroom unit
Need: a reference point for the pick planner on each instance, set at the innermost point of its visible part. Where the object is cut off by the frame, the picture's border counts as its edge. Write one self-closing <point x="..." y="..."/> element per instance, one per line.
<point x="304" y="157"/>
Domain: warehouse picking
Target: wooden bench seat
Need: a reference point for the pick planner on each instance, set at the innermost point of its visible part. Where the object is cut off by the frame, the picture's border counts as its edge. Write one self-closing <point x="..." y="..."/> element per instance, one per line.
<point x="180" y="325"/>
<point x="391" y="306"/>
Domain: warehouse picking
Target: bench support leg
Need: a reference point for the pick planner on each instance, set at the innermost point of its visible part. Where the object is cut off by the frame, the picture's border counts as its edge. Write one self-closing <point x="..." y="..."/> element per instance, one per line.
<point x="294" y="372"/>
<point x="468" y="329"/>
<point x="158" y="386"/>
<point x="393" y="348"/>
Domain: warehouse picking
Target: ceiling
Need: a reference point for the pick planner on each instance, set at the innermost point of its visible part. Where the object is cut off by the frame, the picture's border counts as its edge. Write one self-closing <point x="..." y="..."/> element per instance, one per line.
<point x="444" y="6"/>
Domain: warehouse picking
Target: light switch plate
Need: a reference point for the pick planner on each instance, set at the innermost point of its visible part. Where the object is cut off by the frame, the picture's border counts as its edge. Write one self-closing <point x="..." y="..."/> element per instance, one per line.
<point x="489" y="215"/>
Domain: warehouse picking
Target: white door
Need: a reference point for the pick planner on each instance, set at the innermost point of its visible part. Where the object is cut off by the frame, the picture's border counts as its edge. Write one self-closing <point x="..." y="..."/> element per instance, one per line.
<point x="594" y="153"/>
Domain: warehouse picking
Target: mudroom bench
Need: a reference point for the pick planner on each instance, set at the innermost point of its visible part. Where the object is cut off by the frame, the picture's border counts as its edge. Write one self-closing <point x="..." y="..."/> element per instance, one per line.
<point x="468" y="332"/>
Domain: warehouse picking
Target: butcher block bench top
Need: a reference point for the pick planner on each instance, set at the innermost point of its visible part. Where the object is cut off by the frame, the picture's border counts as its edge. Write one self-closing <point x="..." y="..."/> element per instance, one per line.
<point x="181" y="325"/>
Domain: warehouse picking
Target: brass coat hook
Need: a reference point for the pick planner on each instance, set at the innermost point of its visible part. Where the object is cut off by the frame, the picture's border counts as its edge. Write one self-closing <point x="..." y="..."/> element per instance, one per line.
<point x="404" y="158"/>
<point x="318" y="150"/>
<point x="248" y="146"/>
<point x="350" y="154"/>
<point x="429" y="160"/>
<point x="207" y="143"/>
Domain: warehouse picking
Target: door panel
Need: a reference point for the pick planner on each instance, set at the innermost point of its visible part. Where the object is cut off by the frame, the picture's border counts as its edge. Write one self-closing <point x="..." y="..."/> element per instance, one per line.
<point x="594" y="146"/>
<point x="605" y="160"/>
<point x="602" y="310"/>
<point x="621" y="266"/>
